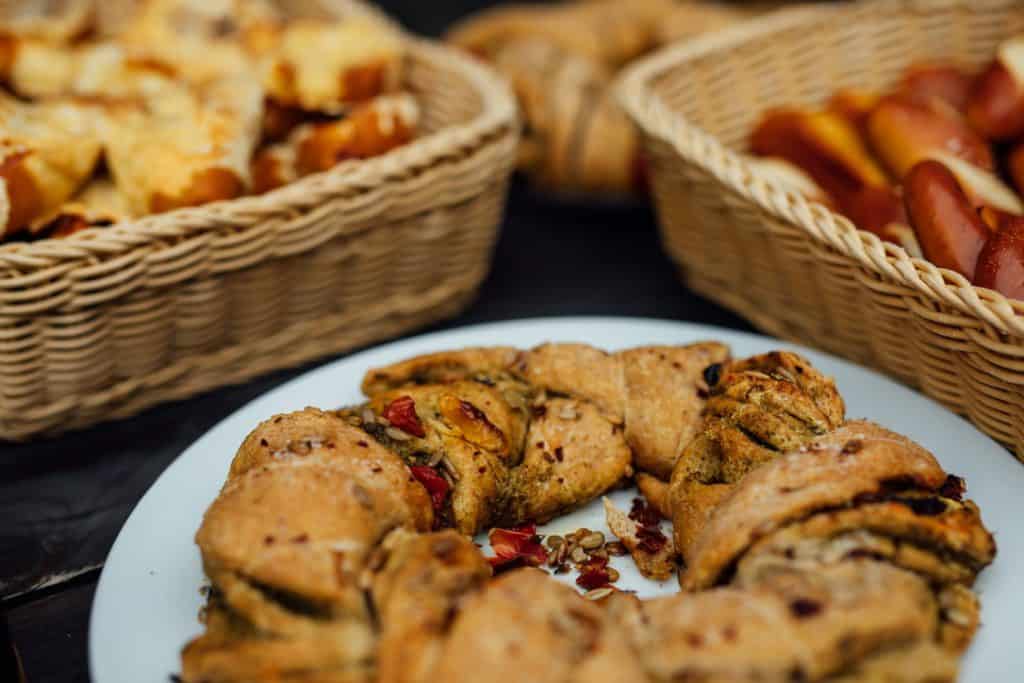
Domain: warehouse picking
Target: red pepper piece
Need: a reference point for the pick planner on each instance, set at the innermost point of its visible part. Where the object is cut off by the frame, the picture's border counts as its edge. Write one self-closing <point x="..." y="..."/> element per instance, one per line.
<point x="401" y="413"/>
<point x="436" y="485"/>
<point x="517" y="545"/>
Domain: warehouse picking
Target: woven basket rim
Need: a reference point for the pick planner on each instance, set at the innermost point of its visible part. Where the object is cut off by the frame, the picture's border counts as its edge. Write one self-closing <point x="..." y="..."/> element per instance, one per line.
<point x="655" y="118"/>
<point x="498" y="113"/>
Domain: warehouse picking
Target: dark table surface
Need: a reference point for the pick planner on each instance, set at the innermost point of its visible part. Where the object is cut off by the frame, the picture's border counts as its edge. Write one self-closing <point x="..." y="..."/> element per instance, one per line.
<point x="62" y="501"/>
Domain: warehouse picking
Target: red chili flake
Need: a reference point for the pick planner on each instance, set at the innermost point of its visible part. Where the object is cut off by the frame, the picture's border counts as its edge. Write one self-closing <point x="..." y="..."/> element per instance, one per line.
<point x="593" y="573"/>
<point x="593" y="578"/>
<point x="516" y="547"/>
<point x="643" y="514"/>
<point x="401" y="413"/>
<point x="651" y="539"/>
<point x="434" y="483"/>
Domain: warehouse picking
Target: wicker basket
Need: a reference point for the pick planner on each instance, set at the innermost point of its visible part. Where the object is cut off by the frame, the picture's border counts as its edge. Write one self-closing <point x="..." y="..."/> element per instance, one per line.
<point x="111" y="321"/>
<point x="793" y="268"/>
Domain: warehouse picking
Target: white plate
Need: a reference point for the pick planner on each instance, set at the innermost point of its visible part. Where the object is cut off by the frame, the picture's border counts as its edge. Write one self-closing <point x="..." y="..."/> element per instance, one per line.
<point x="148" y="595"/>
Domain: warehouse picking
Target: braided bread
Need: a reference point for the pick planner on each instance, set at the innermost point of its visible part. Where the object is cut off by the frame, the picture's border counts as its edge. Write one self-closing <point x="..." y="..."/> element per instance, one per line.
<point x="339" y="549"/>
<point x="759" y="408"/>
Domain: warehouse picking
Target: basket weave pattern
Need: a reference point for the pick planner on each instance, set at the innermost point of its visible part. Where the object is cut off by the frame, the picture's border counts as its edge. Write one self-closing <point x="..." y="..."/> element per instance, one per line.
<point x="111" y="321"/>
<point x="794" y="268"/>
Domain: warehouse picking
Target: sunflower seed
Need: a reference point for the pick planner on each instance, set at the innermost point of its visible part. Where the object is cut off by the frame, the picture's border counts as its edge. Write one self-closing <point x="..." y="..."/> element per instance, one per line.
<point x="578" y="555"/>
<point x="397" y="434"/>
<point x="562" y="552"/>
<point x="592" y="541"/>
<point x="368" y="416"/>
<point x="616" y="549"/>
<point x="598" y="593"/>
<point x="613" y="574"/>
<point x="554" y="542"/>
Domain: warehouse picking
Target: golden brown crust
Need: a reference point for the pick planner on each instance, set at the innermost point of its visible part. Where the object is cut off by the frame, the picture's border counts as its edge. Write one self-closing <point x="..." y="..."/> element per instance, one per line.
<point x="272" y="167"/>
<point x="440" y="367"/>
<point x="573" y="454"/>
<point x="960" y="610"/>
<point x="313" y="435"/>
<point x="303" y="528"/>
<point x="664" y="399"/>
<point x="577" y="447"/>
<point x="909" y="531"/>
<point x="23" y="196"/>
<point x="546" y="628"/>
<point x="47" y="152"/>
<point x="369" y="130"/>
<point x="576" y="369"/>
<point x="325" y="66"/>
<point x="858" y="459"/>
<point x="416" y="593"/>
<point x="98" y="204"/>
<point x="184" y="146"/>
<point x="923" y="662"/>
<point x="759" y="408"/>
<point x="231" y="651"/>
<point x="205" y="185"/>
<point x="794" y="625"/>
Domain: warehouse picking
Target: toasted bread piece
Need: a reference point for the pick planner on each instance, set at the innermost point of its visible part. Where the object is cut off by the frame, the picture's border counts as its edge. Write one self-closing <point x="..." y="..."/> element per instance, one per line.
<point x="327" y="66"/>
<point x="186" y="146"/>
<point x="48" y="152"/>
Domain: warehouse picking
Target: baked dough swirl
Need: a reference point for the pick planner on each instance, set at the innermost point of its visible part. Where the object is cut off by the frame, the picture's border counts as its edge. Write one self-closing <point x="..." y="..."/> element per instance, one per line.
<point x="340" y="549"/>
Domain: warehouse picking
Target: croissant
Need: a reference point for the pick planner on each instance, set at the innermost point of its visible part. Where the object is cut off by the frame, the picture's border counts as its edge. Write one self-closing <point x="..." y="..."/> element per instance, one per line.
<point x="840" y="552"/>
